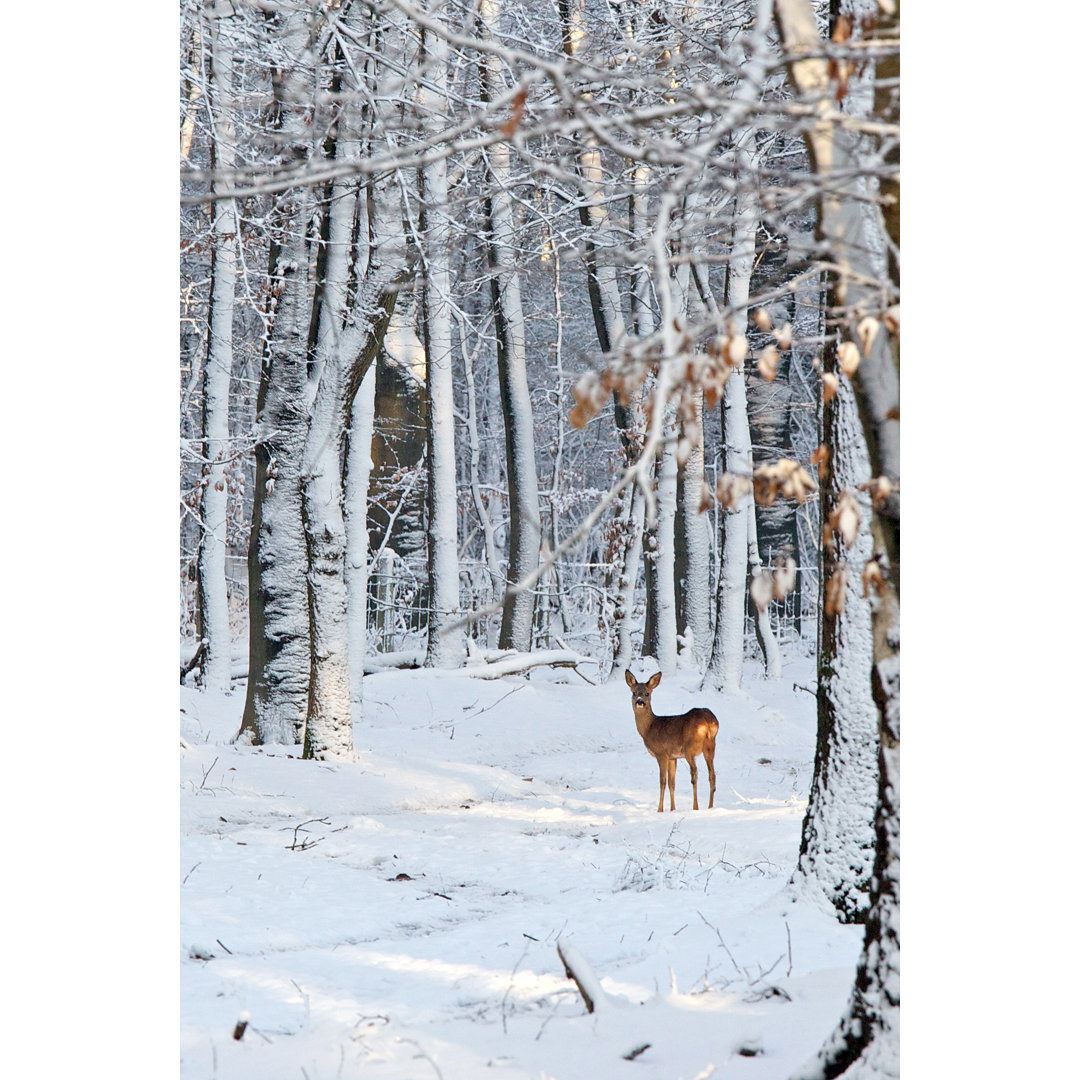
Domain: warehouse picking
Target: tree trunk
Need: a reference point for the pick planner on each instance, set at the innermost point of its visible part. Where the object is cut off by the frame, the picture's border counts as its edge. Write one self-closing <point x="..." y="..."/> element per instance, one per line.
<point x="763" y="628"/>
<point x="837" y="849"/>
<point x="666" y="502"/>
<point x="446" y="641"/>
<point x="279" y="661"/>
<point x="213" y="603"/>
<point x="521" y="479"/>
<point x="357" y="481"/>
<point x="865" y="1044"/>
<point x="726" y="663"/>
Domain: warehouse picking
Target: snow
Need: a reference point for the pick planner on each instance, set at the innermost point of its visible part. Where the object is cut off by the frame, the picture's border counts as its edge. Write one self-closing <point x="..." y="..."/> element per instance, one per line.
<point x="399" y="915"/>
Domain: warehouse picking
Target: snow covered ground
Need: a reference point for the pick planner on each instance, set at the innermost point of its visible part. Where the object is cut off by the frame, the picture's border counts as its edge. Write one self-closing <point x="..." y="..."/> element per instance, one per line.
<point x="398" y="917"/>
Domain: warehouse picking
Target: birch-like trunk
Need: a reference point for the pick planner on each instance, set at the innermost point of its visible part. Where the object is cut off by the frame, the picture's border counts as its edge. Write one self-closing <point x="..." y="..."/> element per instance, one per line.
<point x="213" y="603"/>
<point x="627" y="417"/>
<point x="487" y="528"/>
<point x="624" y="610"/>
<point x="726" y="663"/>
<point x="328" y="728"/>
<point x="522" y="485"/>
<point x="279" y="660"/>
<point x="696" y="590"/>
<point x="667" y="631"/>
<point x="766" y="639"/>
<point x="357" y="481"/>
<point x="693" y="592"/>
<point x="446" y="637"/>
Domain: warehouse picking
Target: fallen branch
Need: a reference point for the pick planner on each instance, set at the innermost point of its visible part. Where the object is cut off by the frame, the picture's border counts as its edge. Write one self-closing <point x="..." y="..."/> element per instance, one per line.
<point x="577" y="968"/>
<point x="519" y="662"/>
<point x="194" y="662"/>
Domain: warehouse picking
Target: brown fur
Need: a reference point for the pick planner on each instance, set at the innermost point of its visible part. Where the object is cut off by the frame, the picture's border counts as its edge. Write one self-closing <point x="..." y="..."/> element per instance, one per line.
<point x="669" y="738"/>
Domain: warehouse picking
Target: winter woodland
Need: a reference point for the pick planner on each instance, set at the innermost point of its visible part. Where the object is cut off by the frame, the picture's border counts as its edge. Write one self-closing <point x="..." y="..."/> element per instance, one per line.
<point x="526" y="347"/>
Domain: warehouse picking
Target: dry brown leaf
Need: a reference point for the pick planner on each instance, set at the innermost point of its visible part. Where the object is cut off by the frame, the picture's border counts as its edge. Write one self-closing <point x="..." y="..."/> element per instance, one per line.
<point x="783" y="577"/>
<point x="767" y="364"/>
<point x="867" y="330"/>
<point x="731" y="489"/>
<point x="835" y="591"/>
<point x="734" y="349"/>
<point x="830" y="384"/>
<point x="820" y="458"/>
<point x="517" y="111"/>
<point x="761" y="589"/>
<point x="844" y="519"/>
<point x="892" y="320"/>
<point x="783" y="336"/>
<point x="761" y="317"/>
<point x="880" y="489"/>
<point x="848" y="357"/>
<point x="783" y="477"/>
<point x="872" y="578"/>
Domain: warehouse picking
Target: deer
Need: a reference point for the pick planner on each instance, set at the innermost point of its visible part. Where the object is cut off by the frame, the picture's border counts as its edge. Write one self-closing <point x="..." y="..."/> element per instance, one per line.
<point x="669" y="738"/>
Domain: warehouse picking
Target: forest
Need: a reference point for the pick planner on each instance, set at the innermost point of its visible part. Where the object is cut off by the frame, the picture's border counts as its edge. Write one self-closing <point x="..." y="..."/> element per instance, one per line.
<point x="530" y="352"/>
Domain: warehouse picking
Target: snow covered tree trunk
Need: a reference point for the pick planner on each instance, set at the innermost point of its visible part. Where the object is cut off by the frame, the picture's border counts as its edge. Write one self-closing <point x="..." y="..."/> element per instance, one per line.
<point x="667" y="631"/>
<point x="766" y="639"/>
<point x="522" y="486"/>
<point x="865" y="1043"/>
<point x="837" y="849"/>
<point x="624" y="610"/>
<point x="213" y="603"/>
<point x="726" y="663"/>
<point x="279" y="659"/>
<point x="328" y="731"/>
<point x="603" y="284"/>
<point x="357" y="481"/>
<point x="446" y="641"/>
<point x="486" y="526"/>
<point x="693" y="591"/>
<point x="328" y="728"/>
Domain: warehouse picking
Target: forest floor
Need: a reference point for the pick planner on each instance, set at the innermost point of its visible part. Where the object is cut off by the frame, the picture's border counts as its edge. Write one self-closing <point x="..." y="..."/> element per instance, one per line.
<point x="398" y="917"/>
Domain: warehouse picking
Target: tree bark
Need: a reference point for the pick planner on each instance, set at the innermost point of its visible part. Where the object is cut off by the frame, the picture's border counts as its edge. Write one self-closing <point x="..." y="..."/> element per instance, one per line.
<point x="357" y="481"/>
<point x="279" y="649"/>
<point x="212" y="591"/>
<point x="726" y="663"/>
<point x="446" y="641"/>
<point x="865" y="1043"/>
<point x="521" y="479"/>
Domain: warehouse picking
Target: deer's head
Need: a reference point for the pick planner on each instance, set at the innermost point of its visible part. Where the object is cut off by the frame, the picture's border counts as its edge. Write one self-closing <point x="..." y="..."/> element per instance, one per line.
<point x="641" y="692"/>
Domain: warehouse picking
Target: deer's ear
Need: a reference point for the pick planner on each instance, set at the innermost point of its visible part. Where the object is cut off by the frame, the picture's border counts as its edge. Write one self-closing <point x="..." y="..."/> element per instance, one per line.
<point x="630" y="680"/>
<point x="654" y="682"/>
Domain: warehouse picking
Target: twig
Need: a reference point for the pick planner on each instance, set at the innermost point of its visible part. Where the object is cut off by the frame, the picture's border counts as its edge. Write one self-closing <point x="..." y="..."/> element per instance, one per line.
<point x="208" y="772"/>
<point x="510" y="984"/>
<point x="636" y="1051"/>
<point x="503" y="698"/>
<point x="788" y="926"/>
<point x="295" y="846"/>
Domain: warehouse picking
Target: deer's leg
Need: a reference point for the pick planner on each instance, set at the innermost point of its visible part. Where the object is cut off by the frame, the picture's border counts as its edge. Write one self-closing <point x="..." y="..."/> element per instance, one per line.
<point x="662" y="762"/>
<point x="693" y="776"/>
<point x="709" y="750"/>
<point x="672" y="762"/>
